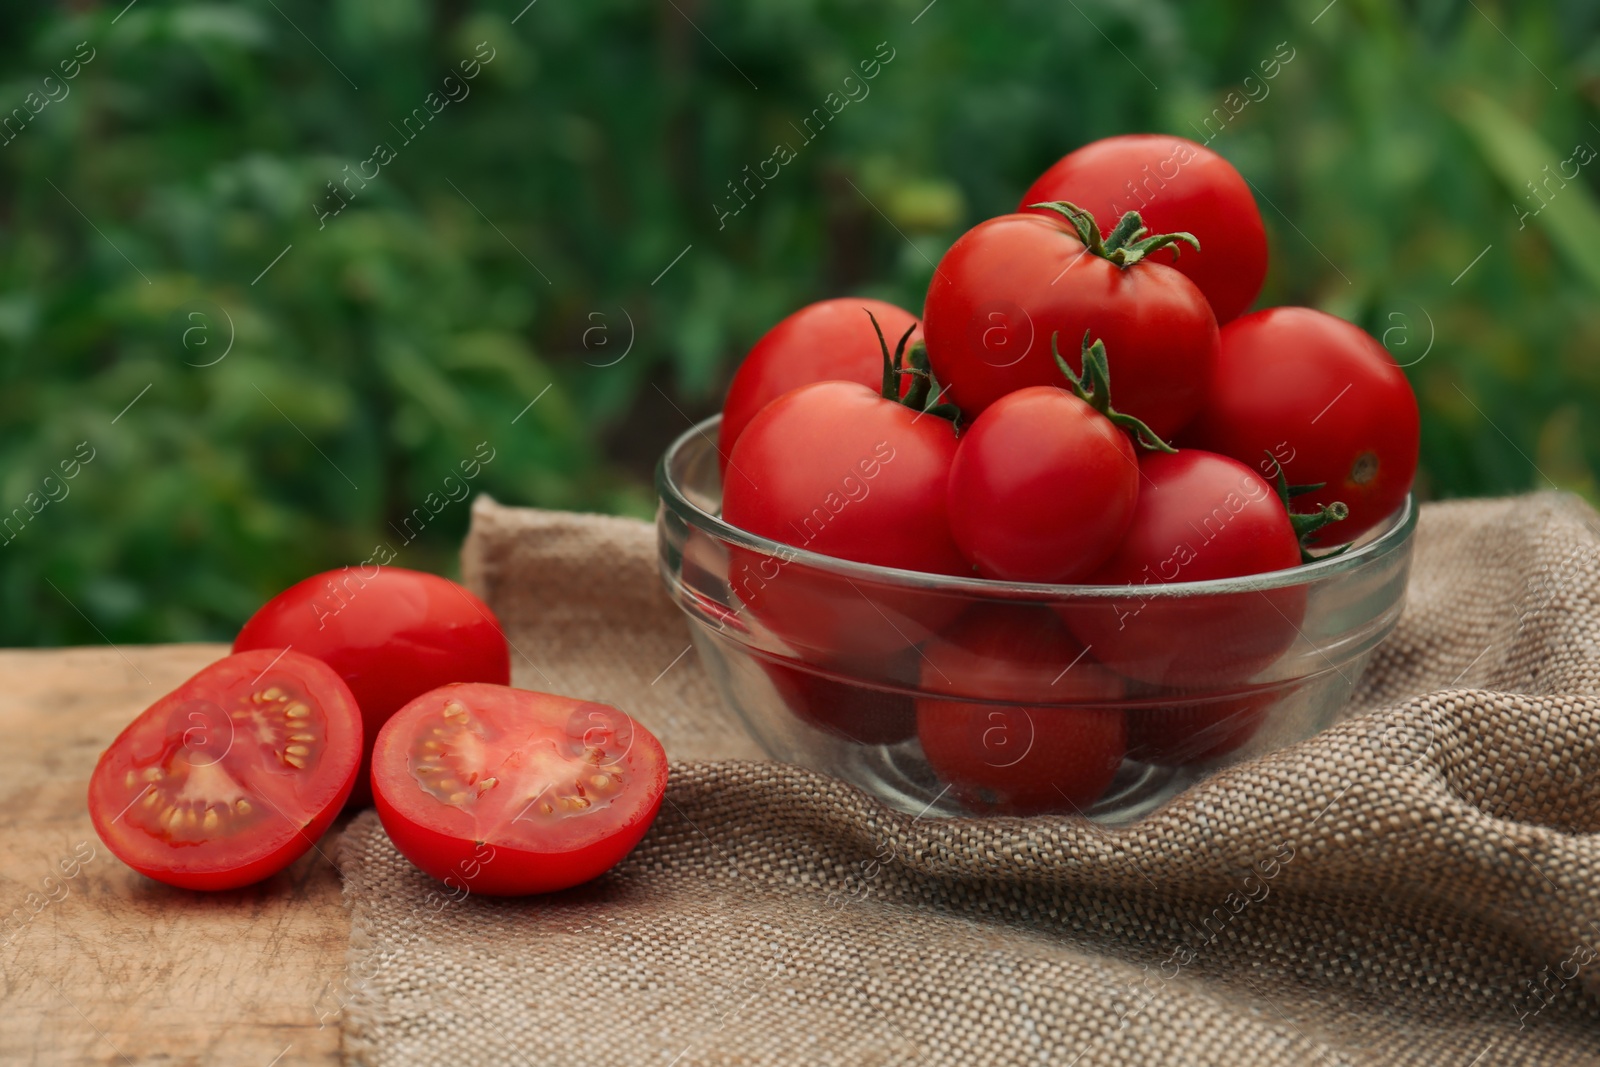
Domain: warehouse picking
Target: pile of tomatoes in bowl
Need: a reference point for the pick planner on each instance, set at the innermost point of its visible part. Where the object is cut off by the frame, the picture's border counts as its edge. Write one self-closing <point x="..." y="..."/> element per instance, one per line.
<point x="1085" y="488"/>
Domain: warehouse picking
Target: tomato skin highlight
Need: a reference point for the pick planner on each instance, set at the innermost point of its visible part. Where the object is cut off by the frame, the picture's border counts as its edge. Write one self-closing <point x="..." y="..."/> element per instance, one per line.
<point x="1010" y="284"/>
<point x="836" y="469"/>
<point x="1042" y="488"/>
<point x="392" y="636"/>
<point x="1175" y="185"/>
<point x="483" y="787"/>
<point x="1199" y="516"/>
<point x="831" y="340"/>
<point x="1323" y="397"/>
<point x="277" y="830"/>
<point x="1036" y="752"/>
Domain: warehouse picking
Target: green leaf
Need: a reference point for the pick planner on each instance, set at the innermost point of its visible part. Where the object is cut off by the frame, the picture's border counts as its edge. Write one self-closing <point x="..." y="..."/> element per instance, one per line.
<point x="1517" y="154"/>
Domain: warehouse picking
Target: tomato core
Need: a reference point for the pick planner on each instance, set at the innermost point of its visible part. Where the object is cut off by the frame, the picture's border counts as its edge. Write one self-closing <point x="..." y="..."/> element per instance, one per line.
<point x="539" y="778"/>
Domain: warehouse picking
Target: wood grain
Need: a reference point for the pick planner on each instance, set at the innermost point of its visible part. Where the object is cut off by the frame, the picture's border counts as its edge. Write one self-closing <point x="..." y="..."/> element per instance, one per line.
<point x="114" y="968"/>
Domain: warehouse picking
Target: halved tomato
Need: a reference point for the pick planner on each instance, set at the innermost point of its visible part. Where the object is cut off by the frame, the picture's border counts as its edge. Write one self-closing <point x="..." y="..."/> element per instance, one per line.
<point x="503" y="791"/>
<point x="232" y="776"/>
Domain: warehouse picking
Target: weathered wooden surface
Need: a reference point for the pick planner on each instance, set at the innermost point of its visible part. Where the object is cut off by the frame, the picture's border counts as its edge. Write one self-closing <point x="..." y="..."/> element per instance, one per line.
<point x="113" y="968"/>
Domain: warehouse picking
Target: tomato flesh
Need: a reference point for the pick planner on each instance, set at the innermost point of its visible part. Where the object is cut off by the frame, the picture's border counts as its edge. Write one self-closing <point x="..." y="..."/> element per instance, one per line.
<point x="392" y="634"/>
<point x="506" y="792"/>
<point x="232" y="776"/>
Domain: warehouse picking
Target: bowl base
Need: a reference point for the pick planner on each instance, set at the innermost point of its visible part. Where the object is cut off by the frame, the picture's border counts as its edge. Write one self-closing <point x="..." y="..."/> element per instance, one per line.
<point x="898" y="775"/>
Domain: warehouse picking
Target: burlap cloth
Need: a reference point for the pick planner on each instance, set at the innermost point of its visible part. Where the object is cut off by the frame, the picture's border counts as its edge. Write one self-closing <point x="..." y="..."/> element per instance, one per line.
<point x="1415" y="886"/>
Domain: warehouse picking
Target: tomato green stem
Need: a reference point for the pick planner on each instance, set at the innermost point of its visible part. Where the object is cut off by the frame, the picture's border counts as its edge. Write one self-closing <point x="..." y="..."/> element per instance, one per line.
<point x="1093" y="387"/>
<point x="923" y="395"/>
<point x="1129" y="240"/>
<point x="1305" y="525"/>
<point x="891" y="364"/>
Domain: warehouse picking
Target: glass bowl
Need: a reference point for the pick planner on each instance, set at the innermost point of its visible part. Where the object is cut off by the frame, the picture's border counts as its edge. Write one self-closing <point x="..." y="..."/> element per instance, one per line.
<point x="951" y="696"/>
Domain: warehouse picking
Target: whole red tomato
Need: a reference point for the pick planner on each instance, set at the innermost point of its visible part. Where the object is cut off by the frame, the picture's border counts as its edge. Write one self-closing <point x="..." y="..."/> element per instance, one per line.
<point x="1011" y="284"/>
<point x="1044" y="481"/>
<point x="831" y="340"/>
<point x="392" y="634"/>
<point x="1199" y="516"/>
<point x="1039" y="728"/>
<point x="1322" y="397"/>
<point x="1176" y="185"/>
<point x="838" y="469"/>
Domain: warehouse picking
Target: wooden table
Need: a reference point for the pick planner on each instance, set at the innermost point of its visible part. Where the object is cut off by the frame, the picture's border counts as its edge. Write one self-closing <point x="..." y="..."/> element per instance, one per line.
<point x="114" y="968"/>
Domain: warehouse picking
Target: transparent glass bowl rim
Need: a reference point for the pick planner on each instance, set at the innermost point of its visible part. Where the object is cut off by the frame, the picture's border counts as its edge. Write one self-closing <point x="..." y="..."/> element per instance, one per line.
<point x="1392" y="538"/>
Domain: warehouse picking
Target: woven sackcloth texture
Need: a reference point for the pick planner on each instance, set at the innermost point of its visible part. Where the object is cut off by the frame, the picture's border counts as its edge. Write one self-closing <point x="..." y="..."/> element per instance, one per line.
<point x="1418" y="885"/>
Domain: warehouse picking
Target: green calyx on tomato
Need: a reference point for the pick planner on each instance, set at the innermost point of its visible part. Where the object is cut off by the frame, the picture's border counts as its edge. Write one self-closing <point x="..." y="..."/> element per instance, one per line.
<point x="1127" y="243"/>
<point x="923" y="395"/>
<point x="1306" y="525"/>
<point x="1093" y="387"/>
<point x="821" y="342"/>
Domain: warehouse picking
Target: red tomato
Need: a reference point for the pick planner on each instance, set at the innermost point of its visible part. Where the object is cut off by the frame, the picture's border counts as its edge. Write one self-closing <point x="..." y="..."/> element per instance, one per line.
<point x="835" y="468"/>
<point x="1198" y="729"/>
<point x="232" y="776"/>
<point x="1199" y="516"/>
<point x="504" y="792"/>
<point x="1046" y="746"/>
<point x="1042" y="487"/>
<point x="1012" y="283"/>
<point x="1324" y="398"/>
<point x="857" y="713"/>
<point x="831" y="340"/>
<point x="392" y="634"/>
<point x="1175" y="185"/>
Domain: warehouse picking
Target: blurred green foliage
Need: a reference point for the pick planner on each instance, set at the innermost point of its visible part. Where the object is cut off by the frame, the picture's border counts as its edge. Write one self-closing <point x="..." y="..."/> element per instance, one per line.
<point x="561" y="209"/>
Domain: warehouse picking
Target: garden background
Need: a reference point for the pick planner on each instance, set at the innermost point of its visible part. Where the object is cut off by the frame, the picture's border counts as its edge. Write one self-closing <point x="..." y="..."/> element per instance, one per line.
<point x="257" y="367"/>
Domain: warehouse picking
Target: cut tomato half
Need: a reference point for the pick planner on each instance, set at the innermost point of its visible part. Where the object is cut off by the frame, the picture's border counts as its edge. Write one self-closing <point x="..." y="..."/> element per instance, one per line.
<point x="232" y="776"/>
<point x="505" y="792"/>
